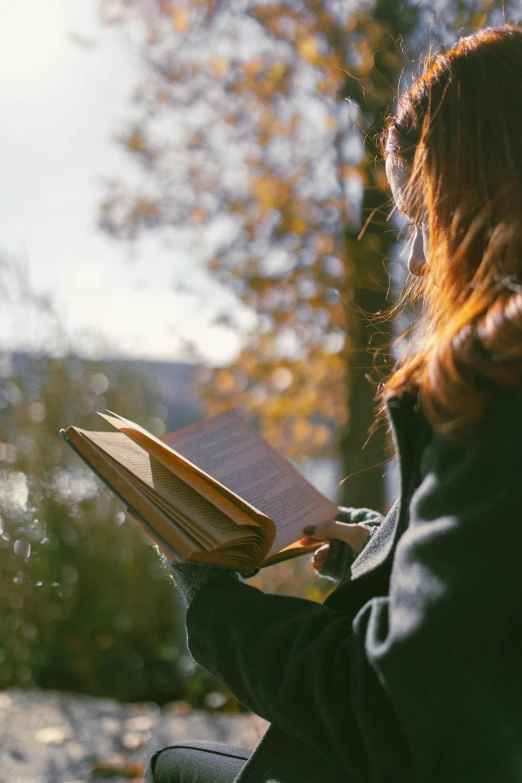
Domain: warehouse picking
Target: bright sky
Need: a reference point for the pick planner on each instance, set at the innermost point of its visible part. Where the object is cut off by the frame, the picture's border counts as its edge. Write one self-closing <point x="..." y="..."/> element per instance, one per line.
<point x="65" y="84"/>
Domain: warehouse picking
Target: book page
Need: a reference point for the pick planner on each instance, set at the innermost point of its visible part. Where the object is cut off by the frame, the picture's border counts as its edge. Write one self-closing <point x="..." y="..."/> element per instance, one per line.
<point x="228" y="449"/>
<point x="232" y="504"/>
<point x="180" y="498"/>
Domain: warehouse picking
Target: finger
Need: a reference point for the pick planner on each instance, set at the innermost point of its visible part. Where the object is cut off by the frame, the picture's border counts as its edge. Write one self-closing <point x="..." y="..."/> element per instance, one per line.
<point x="320" y="556"/>
<point x="353" y="534"/>
<point x="322" y="552"/>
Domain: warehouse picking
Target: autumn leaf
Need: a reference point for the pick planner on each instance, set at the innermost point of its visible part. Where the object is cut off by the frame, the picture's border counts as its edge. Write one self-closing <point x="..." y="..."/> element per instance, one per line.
<point x="309" y="49"/>
<point x="181" y="19"/>
<point x="116" y="766"/>
<point x="198" y="215"/>
<point x="135" y="141"/>
<point x="220" y="67"/>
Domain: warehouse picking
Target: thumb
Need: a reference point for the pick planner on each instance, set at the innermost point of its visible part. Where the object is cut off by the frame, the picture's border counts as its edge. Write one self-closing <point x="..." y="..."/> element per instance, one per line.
<point x="353" y="534"/>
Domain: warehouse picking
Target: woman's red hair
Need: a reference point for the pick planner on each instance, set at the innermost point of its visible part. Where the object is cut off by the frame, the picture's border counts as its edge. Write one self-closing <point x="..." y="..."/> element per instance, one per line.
<point x="459" y="129"/>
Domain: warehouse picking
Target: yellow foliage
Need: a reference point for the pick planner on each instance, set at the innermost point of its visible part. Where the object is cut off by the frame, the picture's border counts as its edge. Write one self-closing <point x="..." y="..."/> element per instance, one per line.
<point x="317" y="370"/>
<point x="309" y="49"/>
<point x="196" y="140"/>
<point x="181" y="19"/>
<point x="295" y="122"/>
<point x="320" y="435"/>
<point x="198" y="215"/>
<point x="147" y="210"/>
<point x="301" y="430"/>
<point x="349" y="170"/>
<point x="365" y="51"/>
<point x="274" y="434"/>
<point x="271" y="409"/>
<point x="277" y="71"/>
<point x="269" y="191"/>
<point x="325" y="245"/>
<point x="298" y="225"/>
<point x="332" y="81"/>
<point x="135" y="141"/>
<point x="220" y="67"/>
<point x="281" y="378"/>
<point x="224" y="381"/>
<point x="331" y="123"/>
<point x="253" y="67"/>
<point x="306" y="400"/>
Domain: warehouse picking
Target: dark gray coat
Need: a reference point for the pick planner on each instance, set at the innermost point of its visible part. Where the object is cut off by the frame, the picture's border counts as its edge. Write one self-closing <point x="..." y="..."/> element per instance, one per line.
<point x="411" y="671"/>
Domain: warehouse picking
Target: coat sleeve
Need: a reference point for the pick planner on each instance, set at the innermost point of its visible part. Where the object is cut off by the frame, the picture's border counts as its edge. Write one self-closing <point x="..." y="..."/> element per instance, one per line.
<point x="424" y="684"/>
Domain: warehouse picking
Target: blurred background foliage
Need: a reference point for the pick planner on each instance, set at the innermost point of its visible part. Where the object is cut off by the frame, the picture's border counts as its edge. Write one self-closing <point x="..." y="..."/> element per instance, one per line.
<point x="86" y="603"/>
<point x="75" y="614"/>
<point x="255" y="124"/>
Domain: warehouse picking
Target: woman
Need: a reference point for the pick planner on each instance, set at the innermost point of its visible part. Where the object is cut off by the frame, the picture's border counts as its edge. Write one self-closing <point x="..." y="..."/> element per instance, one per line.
<point x="412" y="668"/>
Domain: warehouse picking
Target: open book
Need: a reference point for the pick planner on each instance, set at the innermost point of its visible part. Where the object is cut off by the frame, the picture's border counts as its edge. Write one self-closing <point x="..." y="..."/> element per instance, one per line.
<point x="214" y="492"/>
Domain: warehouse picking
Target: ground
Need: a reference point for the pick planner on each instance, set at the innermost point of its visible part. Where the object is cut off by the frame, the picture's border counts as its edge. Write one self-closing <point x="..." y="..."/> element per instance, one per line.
<point x="48" y="737"/>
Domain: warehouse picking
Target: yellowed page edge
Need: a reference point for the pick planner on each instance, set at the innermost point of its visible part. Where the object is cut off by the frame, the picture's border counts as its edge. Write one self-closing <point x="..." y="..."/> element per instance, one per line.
<point x="223" y="498"/>
<point x="177" y="499"/>
<point x="180" y="539"/>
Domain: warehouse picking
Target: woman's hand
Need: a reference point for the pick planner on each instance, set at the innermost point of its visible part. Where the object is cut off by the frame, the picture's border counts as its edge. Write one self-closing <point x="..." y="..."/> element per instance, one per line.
<point x="354" y="535"/>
